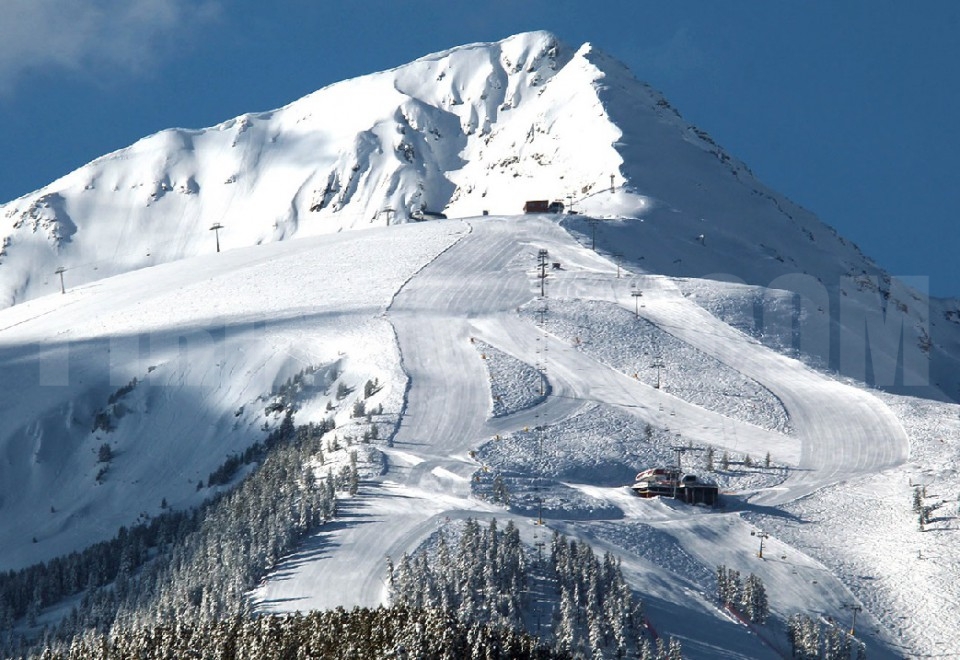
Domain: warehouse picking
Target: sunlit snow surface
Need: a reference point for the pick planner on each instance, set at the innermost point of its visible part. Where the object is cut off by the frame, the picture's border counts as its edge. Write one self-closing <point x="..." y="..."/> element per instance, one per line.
<point x="594" y="421"/>
<point x="478" y="128"/>
<point x="212" y="337"/>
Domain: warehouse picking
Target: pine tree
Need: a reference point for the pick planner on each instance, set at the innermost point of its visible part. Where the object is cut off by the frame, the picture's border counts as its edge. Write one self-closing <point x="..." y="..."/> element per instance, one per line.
<point x="804" y="635"/>
<point x="391" y="585"/>
<point x="500" y="493"/>
<point x="661" y="649"/>
<point x="793" y="633"/>
<point x="836" y="644"/>
<point x="729" y="588"/>
<point x="564" y="634"/>
<point x="359" y="408"/>
<point x="646" y="651"/>
<point x="330" y="498"/>
<point x="674" y="650"/>
<point x="722" y="588"/>
<point x="353" y="479"/>
<point x="753" y="600"/>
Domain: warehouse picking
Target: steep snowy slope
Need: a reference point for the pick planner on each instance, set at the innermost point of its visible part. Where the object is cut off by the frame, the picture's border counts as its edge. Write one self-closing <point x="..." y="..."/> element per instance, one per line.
<point x="473" y="290"/>
<point x="335" y="159"/>
<point x="174" y="368"/>
<point x="175" y="357"/>
<point x="211" y="339"/>
<point x="484" y="127"/>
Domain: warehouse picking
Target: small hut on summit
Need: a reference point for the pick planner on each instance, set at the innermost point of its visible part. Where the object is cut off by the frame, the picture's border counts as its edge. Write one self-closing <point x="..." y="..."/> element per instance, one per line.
<point x="542" y="206"/>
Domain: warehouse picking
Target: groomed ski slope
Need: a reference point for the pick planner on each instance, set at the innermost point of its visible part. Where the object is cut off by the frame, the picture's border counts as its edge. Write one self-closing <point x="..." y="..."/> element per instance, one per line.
<point x="209" y="341"/>
<point x="474" y="289"/>
<point x="211" y="338"/>
<point x="845" y="432"/>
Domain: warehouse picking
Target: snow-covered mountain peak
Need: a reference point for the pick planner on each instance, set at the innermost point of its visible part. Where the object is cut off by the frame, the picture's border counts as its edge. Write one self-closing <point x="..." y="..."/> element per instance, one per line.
<point x="335" y="159"/>
<point x="522" y="51"/>
<point x="481" y="127"/>
<point x="475" y="129"/>
<point x="687" y="303"/>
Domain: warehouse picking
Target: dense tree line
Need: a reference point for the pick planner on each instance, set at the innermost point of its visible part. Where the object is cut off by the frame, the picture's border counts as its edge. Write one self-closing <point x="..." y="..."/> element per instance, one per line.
<point x="24" y="592"/>
<point x="395" y="632"/>
<point x="748" y="597"/>
<point x="597" y="615"/>
<point x="813" y="640"/>
<point x="237" y="541"/>
<point x="485" y="575"/>
<point x="259" y="450"/>
<point x="195" y="564"/>
<point x="481" y="579"/>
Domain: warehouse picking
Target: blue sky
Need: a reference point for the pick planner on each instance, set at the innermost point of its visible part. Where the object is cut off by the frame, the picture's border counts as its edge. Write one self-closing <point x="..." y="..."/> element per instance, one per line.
<point x="849" y="108"/>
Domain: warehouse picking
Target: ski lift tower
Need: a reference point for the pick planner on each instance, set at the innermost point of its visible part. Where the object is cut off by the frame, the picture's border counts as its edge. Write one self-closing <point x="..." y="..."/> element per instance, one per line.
<point x="216" y="231"/>
<point x="855" y="609"/>
<point x="658" y="363"/>
<point x="390" y="212"/>
<point x="681" y="450"/>
<point x="542" y="267"/>
<point x="637" y="295"/>
<point x="593" y="233"/>
<point x="59" y="271"/>
<point x="762" y="536"/>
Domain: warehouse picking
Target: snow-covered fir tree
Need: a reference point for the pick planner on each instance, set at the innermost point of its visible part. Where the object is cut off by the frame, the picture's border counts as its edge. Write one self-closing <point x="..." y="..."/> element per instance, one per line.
<point x="483" y="574"/>
<point x="395" y="632"/>
<point x="195" y="565"/>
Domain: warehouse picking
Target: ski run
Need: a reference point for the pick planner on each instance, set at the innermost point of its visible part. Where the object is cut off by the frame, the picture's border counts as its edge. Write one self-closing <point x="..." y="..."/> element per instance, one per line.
<point x="494" y="366"/>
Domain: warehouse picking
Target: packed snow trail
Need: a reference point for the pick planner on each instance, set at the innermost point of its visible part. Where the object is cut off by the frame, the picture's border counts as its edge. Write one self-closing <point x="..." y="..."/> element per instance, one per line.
<point x="449" y="395"/>
<point x="205" y="338"/>
<point x="473" y="290"/>
<point x="846" y="432"/>
<point x="447" y="406"/>
<point x="488" y="274"/>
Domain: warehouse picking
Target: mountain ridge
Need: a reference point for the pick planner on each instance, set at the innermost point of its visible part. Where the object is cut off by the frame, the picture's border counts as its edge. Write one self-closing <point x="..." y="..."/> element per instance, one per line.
<point x="474" y="129"/>
<point x="683" y="305"/>
<point x="513" y="68"/>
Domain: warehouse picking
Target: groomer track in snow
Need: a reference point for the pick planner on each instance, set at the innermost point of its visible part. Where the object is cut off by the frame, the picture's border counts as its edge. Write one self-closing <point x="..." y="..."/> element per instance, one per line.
<point x="178" y="357"/>
<point x="474" y="289"/>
